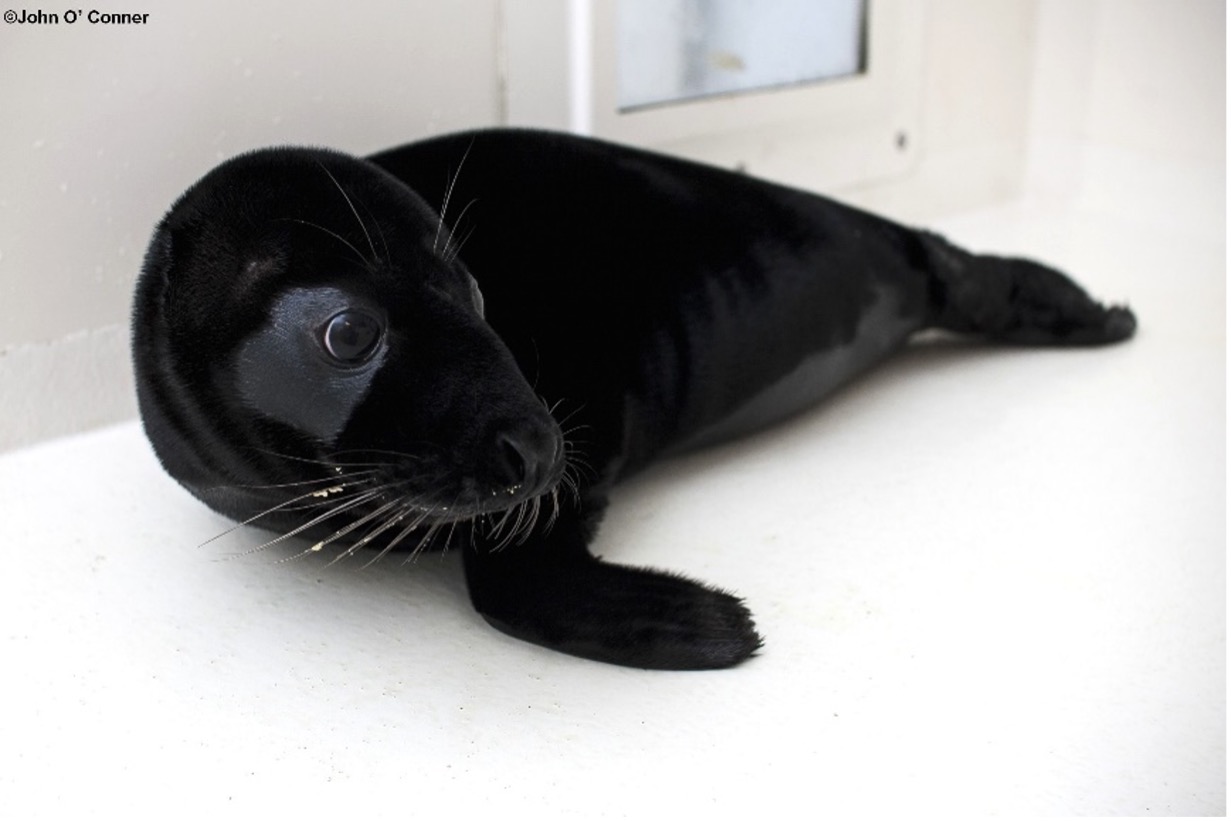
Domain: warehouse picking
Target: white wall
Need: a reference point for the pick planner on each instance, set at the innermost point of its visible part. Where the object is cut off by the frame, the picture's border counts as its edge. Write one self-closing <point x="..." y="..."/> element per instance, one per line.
<point x="1131" y="89"/>
<point x="104" y="126"/>
<point x="975" y="111"/>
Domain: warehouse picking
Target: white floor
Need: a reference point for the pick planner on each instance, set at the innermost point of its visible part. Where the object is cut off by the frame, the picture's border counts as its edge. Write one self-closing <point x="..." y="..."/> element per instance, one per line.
<point x="991" y="581"/>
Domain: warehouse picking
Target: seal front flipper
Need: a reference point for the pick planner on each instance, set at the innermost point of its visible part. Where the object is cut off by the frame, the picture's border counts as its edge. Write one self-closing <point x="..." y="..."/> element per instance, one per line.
<point x="550" y="591"/>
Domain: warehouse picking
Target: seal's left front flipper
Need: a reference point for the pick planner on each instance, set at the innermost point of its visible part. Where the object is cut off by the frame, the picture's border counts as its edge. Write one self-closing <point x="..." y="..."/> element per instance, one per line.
<point x="550" y="591"/>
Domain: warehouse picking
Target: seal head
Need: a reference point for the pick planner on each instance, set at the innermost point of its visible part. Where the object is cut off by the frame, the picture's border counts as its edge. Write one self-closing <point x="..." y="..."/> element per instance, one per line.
<point x="303" y="318"/>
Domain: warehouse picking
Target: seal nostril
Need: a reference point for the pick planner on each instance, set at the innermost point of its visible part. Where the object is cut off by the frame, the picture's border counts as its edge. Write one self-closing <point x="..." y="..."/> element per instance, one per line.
<point x="510" y="462"/>
<point x="524" y="455"/>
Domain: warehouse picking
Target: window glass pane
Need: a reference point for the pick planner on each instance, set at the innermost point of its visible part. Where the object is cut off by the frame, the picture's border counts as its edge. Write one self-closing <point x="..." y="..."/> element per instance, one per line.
<point x="672" y="50"/>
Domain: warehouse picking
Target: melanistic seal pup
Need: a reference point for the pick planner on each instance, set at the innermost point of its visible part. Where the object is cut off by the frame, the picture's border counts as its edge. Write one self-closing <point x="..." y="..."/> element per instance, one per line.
<point x="470" y="339"/>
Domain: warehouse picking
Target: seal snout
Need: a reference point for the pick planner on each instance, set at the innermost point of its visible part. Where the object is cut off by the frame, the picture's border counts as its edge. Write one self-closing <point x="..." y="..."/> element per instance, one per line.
<point x="526" y="455"/>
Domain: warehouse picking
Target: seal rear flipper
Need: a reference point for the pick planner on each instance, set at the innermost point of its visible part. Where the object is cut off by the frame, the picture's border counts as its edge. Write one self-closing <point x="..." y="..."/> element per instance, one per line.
<point x="1016" y="300"/>
<point x="552" y="592"/>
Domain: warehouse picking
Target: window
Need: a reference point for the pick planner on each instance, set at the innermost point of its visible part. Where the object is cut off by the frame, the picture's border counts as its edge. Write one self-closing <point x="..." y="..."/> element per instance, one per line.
<point x="669" y="51"/>
<point x="828" y="86"/>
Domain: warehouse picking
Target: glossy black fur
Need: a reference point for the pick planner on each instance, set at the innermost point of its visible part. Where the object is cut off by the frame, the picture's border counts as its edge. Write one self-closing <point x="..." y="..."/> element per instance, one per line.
<point x="650" y="304"/>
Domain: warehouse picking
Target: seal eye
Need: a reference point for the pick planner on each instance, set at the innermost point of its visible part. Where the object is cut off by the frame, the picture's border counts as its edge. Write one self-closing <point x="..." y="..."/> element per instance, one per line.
<point x="350" y="337"/>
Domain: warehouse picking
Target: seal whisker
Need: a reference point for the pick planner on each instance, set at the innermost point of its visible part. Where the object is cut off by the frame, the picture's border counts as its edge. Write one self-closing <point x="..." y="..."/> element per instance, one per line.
<point x="350" y="528"/>
<point x="329" y="514"/>
<point x="526" y="520"/>
<point x="552" y="407"/>
<point x="292" y="458"/>
<point x="564" y="420"/>
<point x="380" y="232"/>
<point x="519" y="513"/>
<point x="448" y="538"/>
<point x="397" y="454"/>
<point x="444" y="206"/>
<point x="404" y="506"/>
<point x="288" y="504"/>
<point x="333" y="234"/>
<point x="494" y="532"/>
<point x="535" y="507"/>
<point x="576" y="466"/>
<point x="453" y="248"/>
<point x="353" y="210"/>
<point x="325" y="501"/>
<point x="427" y="538"/>
<point x="306" y="482"/>
<point x="402" y="534"/>
<point x="457" y="249"/>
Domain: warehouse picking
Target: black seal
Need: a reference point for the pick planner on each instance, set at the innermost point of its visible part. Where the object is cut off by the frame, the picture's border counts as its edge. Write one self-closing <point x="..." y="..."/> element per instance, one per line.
<point x="470" y="339"/>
